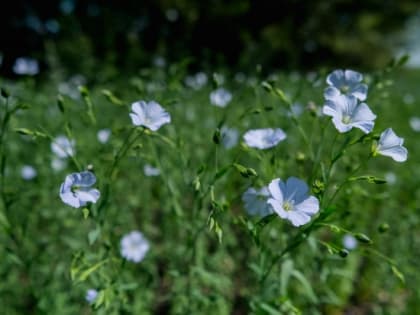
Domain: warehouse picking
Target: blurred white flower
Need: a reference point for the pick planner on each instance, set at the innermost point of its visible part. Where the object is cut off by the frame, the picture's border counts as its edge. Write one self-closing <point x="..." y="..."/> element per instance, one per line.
<point x="415" y="123"/>
<point x="290" y="200"/>
<point x="264" y="138"/>
<point x="159" y="61"/>
<point x="76" y="190"/>
<point x="391" y="145"/>
<point x="345" y="82"/>
<point x="134" y="246"/>
<point x="196" y="81"/>
<point x="62" y="147"/>
<point x="220" y="97"/>
<point x="149" y="114"/>
<point x="349" y="242"/>
<point x="91" y="295"/>
<point x="26" y="66"/>
<point x="346" y="114"/>
<point x="28" y="172"/>
<point x="256" y="202"/>
<point x="103" y="135"/>
<point x="149" y="170"/>
<point x="230" y="137"/>
<point x="391" y="178"/>
<point x="58" y="164"/>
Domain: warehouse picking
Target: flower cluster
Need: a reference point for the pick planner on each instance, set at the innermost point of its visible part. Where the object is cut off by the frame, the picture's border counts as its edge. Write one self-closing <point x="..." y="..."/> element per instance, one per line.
<point x="343" y="95"/>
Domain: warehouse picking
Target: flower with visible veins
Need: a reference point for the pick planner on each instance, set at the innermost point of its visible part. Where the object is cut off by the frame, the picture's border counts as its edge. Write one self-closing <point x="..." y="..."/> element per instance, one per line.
<point x="391" y="145"/>
<point x="149" y="114"/>
<point x="76" y="190"/>
<point x="264" y="138"/>
<point x="346" y="114"/>
<point x="290" y="200"/>
<point x="345" y="82"/>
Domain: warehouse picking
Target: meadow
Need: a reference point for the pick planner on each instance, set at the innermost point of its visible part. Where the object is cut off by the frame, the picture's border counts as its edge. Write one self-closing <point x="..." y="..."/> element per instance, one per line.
<point x="172" y="205"/>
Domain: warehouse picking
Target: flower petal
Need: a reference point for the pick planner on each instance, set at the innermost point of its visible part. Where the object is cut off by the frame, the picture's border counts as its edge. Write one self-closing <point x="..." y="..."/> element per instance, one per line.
<point x="360" y="91"/>
<point x="352" y="76"/>
<point x="298" y="218"/>
<point x="275" y="189"/>
<point x="397" y="153"/>
<point x="277" y="207"/>
<point x="331" y="93"/>
<point x="309" y="206"/>
<point x="296" y="190"/>
<point x="90" y="195"/>
<point x="336" y="78"/>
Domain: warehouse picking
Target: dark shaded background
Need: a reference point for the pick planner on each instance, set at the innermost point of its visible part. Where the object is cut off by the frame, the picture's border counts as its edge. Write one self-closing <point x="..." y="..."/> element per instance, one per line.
<point x="238" y="33"/>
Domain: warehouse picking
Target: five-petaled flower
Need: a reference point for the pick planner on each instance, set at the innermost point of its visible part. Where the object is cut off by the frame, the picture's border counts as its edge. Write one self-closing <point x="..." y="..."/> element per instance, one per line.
<point x="220" y="97"/>
<point x="290" y="200"/>
<point x="345" y="82"/>
<point x="391" y="145"/>
<point x="76" y="190"/>
<point x="264" y="138"/>
<point x="149" y="114"/>
<point x="134" y="246"/>
<point x="256" y="202"/>
<point x="346" y="114"/>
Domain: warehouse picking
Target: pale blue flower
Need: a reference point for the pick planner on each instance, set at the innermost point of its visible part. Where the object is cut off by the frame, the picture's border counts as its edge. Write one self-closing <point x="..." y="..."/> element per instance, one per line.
<point x="62" y="147"/>
<point x="196" y="81"/>
<point x="76" y="190"/>
<point x="230" y="137"/>
<point x="149" y="170"/>
<point x="149" y="114"/>
<point x="28" y="172"/>
<point x="58" y="164"/>
<point x="91" y="296"/>
<point x="349" y="242"/>
<point x="103" y="135"/>
<point x="346" y="114"/>
<point x="345" y="82"/>
<point x="415" y="123"/>
<point x="220" y="97"/>
<point x="134" y="246"/>
<point x="290" y="200"/>
<point x="256" y="202"/>
<point x="391" y="145"/>
<point x="26" y="66"/>
<point x="264" y="138"/>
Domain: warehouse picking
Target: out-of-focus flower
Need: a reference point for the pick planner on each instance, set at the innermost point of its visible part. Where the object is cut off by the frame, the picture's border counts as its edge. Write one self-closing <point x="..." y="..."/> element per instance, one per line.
<point x="26" y="66"/>
<point x="159" y="62"/>
<point x="134" y="246"/>
<point x="349" y="242"/>
<point x="220" y="97"/>
<point x="264" y="138"/>
<point x="391" y="145"/>
<point x="391" y="178"/>
<point x="62" y="147"/>
<point x="91" y="295"/>
<point x="415" y="123"/>
<point x="103" y="135"/>
<point x="346" y="114"/>
<point x="345" y="82"/>
<point x="149" y="114"/>
<point x="28" y="172"/>
<point x="149" y="170"/>
<point x="58" y="164"/>
<point x="256" y="202"/>
<point x="290" y="200"/>
<point x="76" y="190"/>
<point x="196" y="81"/>
<point x="230" y="137"/>
<point x="172" y="15"/>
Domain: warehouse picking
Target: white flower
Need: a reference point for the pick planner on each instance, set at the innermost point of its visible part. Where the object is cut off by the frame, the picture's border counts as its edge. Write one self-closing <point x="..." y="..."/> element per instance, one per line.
<point x="391" y="178"/>
<point x="150" y="115"/>
<point x="349" y="242"/>
<point x="256" y="202"/>
<point x="76" y="191"/>
<point x="220" y="97"/>
<point x="346" y="114"/>
<point x="290" y="200"/>
<point x="58" y="164"/>
<point x="264" y="138"/>
<point x="91" y="295"/>
<point x="103" y="135"/>
<point x="26" y="66"/>
<point x="415" y="123"/>
<point x="230" y="137"/>
<point x="134" y="246"/>
<point x="391" y="145"/>
<point x="62" y="147"/>
<point x="149" y="170"/>
<point x="345" y="82"/>
<point x="196" y="81"/>
<point x="28" y="172"/>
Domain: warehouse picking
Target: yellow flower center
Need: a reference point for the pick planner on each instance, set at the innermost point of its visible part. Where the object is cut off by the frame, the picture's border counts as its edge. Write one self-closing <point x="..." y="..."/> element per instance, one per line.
<point x="287" y="206"/>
